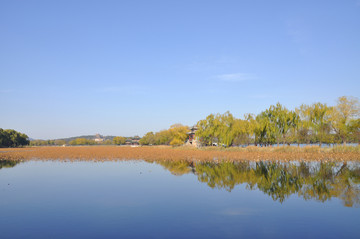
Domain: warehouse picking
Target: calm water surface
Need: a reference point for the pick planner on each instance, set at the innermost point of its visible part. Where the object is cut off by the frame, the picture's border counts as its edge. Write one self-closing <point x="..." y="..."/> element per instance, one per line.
<point x="137" y="199"/>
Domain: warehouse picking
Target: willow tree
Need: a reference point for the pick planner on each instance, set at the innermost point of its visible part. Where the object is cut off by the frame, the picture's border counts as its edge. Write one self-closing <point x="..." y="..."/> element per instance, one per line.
<point x="178" y="134"/>
<point x="241" y="132"/>
<point x="265" y="131"/>
<point x="283" y="121"/>
<point x="206" y="130"/>
<point x="163" y="137"/>
<point x="226" y="122"/>
<point x="343" y="117"/>
<point x="303" y="134"/>
<point x="175" y="135"/>
<point x="354" y="134"/>
<point x="319" y="115"/>
<point x="216" y="128"/>
<point x="275" y="116"/>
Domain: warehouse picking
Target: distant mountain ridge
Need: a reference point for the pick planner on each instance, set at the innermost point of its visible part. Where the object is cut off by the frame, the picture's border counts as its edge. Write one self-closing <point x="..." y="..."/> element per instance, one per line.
<point x="67" y="140"/>
<point x="93" y="137"/>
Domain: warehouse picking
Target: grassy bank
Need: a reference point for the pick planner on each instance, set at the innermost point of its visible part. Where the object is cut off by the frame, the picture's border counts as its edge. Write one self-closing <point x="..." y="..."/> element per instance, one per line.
<point x="289" y="149"/>
<point x="286" y="153"/>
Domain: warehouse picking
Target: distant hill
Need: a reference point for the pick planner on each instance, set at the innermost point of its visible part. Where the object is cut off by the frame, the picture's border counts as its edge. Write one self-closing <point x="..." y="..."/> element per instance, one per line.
<point x="108" y="137"/>
<point x="67" y="140"/>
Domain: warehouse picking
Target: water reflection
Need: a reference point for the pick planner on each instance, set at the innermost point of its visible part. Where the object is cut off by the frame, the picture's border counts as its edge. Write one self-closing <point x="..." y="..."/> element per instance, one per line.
<point x="318" y="181"/>
<point x="8" y="163"/>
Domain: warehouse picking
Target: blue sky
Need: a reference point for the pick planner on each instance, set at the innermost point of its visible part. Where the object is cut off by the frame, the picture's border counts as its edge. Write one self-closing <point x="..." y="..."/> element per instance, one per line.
<point x="71" y="68"/>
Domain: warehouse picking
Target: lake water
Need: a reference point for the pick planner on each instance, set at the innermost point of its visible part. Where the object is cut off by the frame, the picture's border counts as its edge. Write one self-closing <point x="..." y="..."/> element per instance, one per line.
<point x="138" y="199"/>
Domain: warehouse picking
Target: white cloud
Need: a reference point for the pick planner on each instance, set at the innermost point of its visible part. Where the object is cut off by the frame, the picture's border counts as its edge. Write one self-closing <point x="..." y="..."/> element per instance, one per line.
<point x="235" y="77"/>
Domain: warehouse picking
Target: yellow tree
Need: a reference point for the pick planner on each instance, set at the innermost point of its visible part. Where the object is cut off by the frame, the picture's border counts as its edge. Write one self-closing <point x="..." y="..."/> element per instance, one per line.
<point x="163" y="137"/>
<point x="354" y="127"/>
<point x="265" y="130"/>
<point x="343" y="115"/>
<point x="148" y="139"/>
<point x="303" y="133"/>
<point x="252" y="126"/>
<point x="178" y="134"/>
<point x="119" y="140"/>
<point x="226" y="122"/>
<point x="243" y="130"/>
<point x="207" y="129"/>
<point x="320" y="120"/>
<point x="239" y="132"/>
<point x="283" y="121"/>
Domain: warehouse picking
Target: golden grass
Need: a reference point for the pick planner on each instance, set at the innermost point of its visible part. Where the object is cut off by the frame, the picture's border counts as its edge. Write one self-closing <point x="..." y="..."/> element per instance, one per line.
<point x="306" y="149"/>
<point x="95" y="153"/>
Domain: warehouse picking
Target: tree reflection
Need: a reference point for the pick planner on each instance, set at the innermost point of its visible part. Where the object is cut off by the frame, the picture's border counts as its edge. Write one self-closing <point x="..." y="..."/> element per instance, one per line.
<point x="318" y="181"/>
<point x="178" y="167"/>
<point x="8" y="163"/>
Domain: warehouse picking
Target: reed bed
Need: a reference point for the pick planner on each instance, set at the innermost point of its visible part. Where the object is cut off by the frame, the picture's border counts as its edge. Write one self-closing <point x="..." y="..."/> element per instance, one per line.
<point x="305" y="149"/>
<point x="104" y="153"/>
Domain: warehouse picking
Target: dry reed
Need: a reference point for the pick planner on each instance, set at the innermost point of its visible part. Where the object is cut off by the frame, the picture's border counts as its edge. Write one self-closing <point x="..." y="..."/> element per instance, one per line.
<point x="96" y="153"/>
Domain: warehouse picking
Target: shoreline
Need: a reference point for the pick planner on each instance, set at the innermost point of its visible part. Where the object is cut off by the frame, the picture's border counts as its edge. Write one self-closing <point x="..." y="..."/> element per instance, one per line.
<point x="166" y="153"/>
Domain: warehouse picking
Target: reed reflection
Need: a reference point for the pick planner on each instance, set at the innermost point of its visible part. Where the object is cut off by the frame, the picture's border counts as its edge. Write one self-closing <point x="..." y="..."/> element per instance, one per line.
<point x="318" y="181"/>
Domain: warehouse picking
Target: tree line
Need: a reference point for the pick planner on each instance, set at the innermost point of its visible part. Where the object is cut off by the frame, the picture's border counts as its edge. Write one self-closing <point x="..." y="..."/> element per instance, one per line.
<point x="12" y="138"/>
<point x="53" y="142"/>
<point x="315" y="123"/>
<point x="176" y="135"/>
<point x="118" y="140"/>
<point x="307" y="124"/>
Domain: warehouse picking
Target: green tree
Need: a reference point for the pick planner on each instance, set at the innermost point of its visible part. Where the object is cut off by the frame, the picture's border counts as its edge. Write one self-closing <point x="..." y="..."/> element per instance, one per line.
<point x="163" y="137"/>
<point x="265" y="130"/>
<point x="178" y="134"/>
<point x="148" y="139"/>
<point x="315" y="119"/>
<point x="241" y="132"/>
<point x="108" y="142"/>
<point x="320" y="121"/>
<point x="82" y="141"/>
<point x="343" y="117"/>
<point x="303" y="134"/>
<point x="60" y="142"/>
<point x="12" y="138"/>
<point x="207" y="129"/>
<point x="217" y="128"/>
<point x="225" y="134"/>
<point x="175" y="135"/>
<point x="119" y="140"/>
<point x="354" y="131"/>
